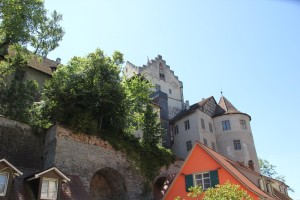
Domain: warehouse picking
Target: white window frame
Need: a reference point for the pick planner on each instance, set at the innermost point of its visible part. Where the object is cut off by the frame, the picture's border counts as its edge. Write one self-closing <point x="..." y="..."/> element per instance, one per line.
<point x="52" y="180"/>
<point x="5" y="184"/>
<point x="202" y="179"/>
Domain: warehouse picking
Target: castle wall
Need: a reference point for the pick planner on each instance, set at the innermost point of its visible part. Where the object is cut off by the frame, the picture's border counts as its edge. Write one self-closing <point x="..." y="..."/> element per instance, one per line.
<point x="19" y="145"/>
<point x="179" y="147"/>
<point x="225" y="139"/>
<point x="169" y="83"/>
<point x="86" y="155"/>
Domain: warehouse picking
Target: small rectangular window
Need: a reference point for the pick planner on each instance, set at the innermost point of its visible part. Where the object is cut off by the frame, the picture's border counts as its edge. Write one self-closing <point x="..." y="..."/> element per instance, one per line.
<point x="188" y="145"/>
<point x="170" y="91"/>
<point x="49" y="189"/>
<point x="161" y="76"/>
<point x="202" y="123"/>
<point x="205" y="141"/>
<point x="176" y="129"/>
<point x="210" y="127"/>
<point x="202" y="180"/>
<point x="157" y="87"/>
<point x="237" y="144"/>
<point x="243" y="124"/>
<point x="213" y="146"/>
<point x="187" y="125"/>
<point x="226" y="125"/>
<point x="3" y="183"/>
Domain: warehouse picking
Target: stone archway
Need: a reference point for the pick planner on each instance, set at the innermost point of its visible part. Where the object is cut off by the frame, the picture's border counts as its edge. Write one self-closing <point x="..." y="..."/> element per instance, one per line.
<point x="158" y="190"/>
<point x="108" y="184"/>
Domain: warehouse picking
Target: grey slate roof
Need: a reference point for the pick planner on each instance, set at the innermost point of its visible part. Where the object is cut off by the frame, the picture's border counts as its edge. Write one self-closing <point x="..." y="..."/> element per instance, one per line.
<point x="224" y="107"/>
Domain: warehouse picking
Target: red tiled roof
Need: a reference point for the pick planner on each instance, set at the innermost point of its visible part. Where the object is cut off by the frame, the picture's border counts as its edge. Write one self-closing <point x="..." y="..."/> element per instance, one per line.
<point x="226" y="163"/>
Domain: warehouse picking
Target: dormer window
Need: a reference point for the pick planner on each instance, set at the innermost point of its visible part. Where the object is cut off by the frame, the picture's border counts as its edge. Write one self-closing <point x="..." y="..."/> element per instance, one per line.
<point x="49" y="188"/>
<point x="3" y="183"/>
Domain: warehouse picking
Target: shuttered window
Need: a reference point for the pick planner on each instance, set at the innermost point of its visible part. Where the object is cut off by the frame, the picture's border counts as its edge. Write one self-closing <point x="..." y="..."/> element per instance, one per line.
<point x="205" y="180"/>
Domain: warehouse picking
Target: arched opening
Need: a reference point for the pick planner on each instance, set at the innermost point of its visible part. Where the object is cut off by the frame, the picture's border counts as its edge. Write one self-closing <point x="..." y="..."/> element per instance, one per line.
<point x="108" y="184"/>
<point x="158" y="188"/>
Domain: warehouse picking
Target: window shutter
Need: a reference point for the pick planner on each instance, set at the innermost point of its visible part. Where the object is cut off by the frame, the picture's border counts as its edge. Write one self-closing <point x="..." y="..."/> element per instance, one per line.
<point x="214" y="178"/>
<point x="189" y="181"/>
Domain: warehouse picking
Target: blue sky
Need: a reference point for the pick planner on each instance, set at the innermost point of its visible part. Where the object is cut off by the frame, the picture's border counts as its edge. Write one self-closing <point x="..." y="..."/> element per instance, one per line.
<point x="248" y="49"/>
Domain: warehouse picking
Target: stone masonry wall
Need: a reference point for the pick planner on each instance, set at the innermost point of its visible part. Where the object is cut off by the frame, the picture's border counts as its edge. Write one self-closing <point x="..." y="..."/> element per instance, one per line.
<point x="86" y="155"/>
<point x="19" y="145"/>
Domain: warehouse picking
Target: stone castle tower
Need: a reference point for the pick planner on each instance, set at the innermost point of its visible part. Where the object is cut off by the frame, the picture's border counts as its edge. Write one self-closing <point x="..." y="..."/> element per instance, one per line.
<point x="168" y="91"/>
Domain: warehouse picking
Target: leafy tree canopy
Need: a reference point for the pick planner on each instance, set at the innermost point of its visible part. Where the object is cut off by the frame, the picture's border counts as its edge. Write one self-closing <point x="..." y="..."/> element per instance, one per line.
<point x="268" y="169"/>
<point x="87" y="94"/>
<point x="225" y="191"/>
<point x="25" y="22"/>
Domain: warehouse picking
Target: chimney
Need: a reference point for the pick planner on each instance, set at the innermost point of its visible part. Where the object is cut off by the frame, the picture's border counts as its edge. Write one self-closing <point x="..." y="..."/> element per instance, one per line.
<point x="58" y="60"/>
<point x="251" y="164"/>
<point x="187" y="105"/>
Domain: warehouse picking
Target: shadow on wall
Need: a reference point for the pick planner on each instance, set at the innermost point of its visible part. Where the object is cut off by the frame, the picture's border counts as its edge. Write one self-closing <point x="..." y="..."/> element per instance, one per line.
<point x="108" y="184"/>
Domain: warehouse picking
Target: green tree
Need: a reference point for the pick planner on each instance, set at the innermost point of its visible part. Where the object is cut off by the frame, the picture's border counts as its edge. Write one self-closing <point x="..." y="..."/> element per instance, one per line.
<point x="17" y="100"/>
<point x="25" y="22"/>
<point x="268" y="169"/>
<point x="152" y="131"/>
<point x="225" y="191"/>
<point x="87" y="94"/>
<point x="137" y="90"/>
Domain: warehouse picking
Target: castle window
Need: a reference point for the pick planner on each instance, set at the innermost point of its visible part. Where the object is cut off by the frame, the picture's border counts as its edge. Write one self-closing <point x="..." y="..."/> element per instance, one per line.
<point x="210" y="127"/>
<point x="187" y="125"/>
<point x="243" y="124"/>
<point x="3" y="183"/>
<point x="170" y="91"/>
<point x="188" y="145"/>
<point x="237" y="144"/>
<point x="157" y="87"/>
<point x="161" y="76"/>
<point x="49" y="189"/>
<point x="205" y="141"/>
<point x="176" y="129"/>
<point x="226" y="125"/>
<point x="213" y="146"/>
<point x="202" y="123"/>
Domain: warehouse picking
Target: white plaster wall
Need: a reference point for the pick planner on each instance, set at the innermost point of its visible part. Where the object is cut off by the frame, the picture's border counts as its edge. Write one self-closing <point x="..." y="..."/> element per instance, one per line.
<point x="205" y="133"/>
<point x="179" y="146"/>
<point x="225" y="139"/>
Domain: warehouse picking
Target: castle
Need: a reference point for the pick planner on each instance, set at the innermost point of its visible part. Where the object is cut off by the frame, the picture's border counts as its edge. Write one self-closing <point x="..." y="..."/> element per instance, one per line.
<point x="78" y="166"/>
<point x="219" y="126"/>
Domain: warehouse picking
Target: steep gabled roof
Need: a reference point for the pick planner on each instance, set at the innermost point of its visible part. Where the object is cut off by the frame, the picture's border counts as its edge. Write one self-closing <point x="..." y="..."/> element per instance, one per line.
<point x="225" y="107"/>
<point x="16" y="171"/>
<point x="44" y="65"/>
<point x="37" y="175"/>
<point x="227" y="165"/>
<point x="200" y="105"/>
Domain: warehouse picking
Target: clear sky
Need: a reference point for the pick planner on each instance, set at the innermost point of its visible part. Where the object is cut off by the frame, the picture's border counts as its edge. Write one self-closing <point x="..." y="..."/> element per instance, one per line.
<point x="249" y="49"/>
